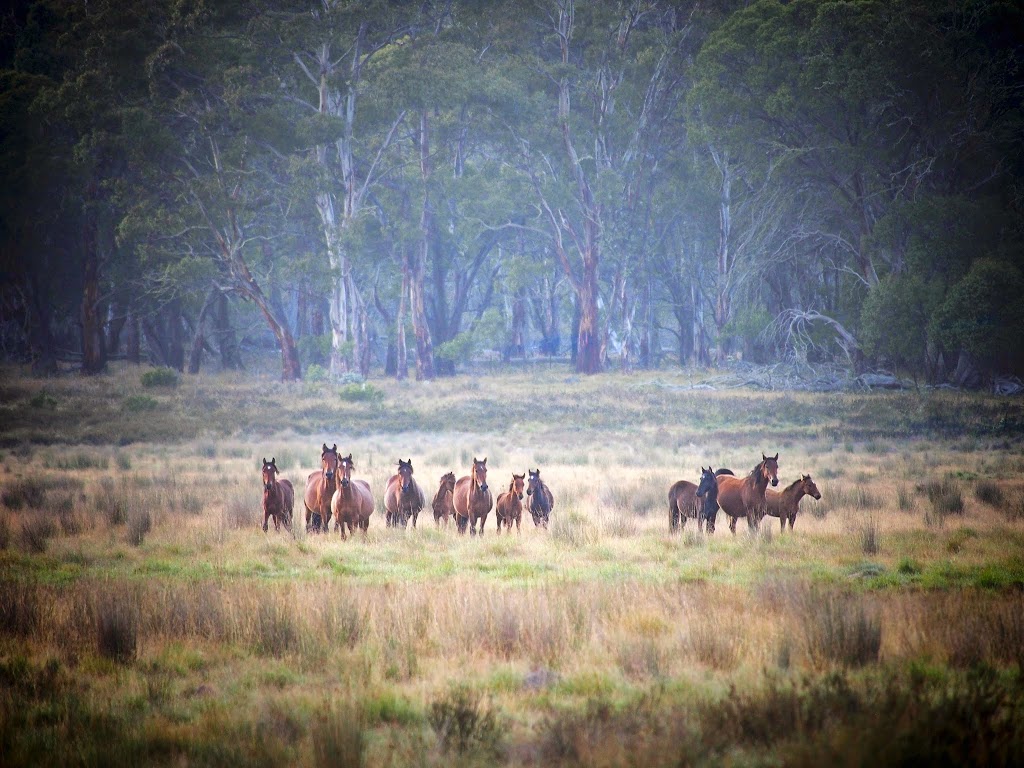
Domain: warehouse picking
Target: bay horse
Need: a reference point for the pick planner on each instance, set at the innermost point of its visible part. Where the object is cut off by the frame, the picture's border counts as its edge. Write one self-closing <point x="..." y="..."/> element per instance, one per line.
<point x="320" y="487"/>
<point x="509" y="506"/>
<point x="442" y="505"/>
<point x="686" y="500"/>
<point x="352" y="503"/>
<point x="785" y="504"/>
<point x="403" y="497"/>
<point x="278" y="497"/>
<point x="472" y="499"/>
<point x="744" y="497"/>
<point x="541" y="500"/>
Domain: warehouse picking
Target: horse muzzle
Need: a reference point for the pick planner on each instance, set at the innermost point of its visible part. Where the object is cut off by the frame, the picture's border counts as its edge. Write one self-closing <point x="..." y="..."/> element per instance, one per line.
<point x="483" y="488"/>
<point x="344" y="482"/>
<point x="406" y="487"/>
<point x="329" y="474"/>
<point x="268" y="486"/>
<point x="775" y="481"/>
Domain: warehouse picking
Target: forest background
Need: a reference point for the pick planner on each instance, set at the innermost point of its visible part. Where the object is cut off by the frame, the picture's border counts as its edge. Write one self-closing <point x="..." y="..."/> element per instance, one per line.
<point x="401" y="186"/>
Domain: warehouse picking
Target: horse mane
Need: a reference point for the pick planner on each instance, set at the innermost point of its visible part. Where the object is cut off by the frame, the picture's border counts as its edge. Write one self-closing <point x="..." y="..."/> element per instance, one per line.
<point x="512" y="485"/>
<point x="792" y="485"/>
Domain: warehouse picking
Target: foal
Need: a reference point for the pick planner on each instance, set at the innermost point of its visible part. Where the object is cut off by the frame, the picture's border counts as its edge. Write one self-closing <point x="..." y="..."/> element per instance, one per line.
<point x="785" y="504"/>
<point x="278" y="497"/>
<point x="510" y="504"/>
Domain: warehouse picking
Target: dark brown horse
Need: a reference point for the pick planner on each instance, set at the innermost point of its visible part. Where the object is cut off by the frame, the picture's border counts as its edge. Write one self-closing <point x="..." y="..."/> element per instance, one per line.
<point x="443" y="507"/>
<point x="403" y="497"/>
<point x="785" y="504"/>
<point x="352" y="503"/>
<point x="686" y="500"/>
<point x="320" y="487"/>
<point x="744" y="497"/>
<point x="509" y="507"/>
<point x="472" y="498"/>
<point x="278" y="497"/>
<point x="541" y="500"/>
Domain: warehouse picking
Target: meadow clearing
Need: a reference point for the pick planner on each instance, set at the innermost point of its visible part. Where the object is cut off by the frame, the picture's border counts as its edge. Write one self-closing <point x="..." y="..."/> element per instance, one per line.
<point x="146" y="619"/>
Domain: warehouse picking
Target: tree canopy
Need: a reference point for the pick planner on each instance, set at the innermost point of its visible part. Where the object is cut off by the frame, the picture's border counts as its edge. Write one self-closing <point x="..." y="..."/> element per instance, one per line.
<point x="398" y="187"/>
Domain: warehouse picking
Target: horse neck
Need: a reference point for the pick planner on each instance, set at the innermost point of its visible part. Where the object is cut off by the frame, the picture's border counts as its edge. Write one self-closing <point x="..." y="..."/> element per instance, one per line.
<point x="794" y="490"/>
<point x="757" y="478"/>
<point x="329" y="484"/>
<point x="711" y="494"/>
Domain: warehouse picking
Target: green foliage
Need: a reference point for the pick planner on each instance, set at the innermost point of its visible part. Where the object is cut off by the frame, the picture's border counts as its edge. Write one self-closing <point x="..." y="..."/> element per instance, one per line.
<point x="895" y="317"/>
<point x="361" y="393"/>
<point x="160" y="377"/>
<point x="140" y="403"/>
<point x="983" y="314"/>
<point x="464" y="721"/>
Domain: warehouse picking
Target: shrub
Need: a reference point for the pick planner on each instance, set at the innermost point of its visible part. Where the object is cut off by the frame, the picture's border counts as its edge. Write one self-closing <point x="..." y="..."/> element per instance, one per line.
<point x="463" y="721"/>
<point x="989" y="492"/>
<point x="316" y="374"/>
<point x="160" y="377"/>
<point x="140" y="403"/>
<point x="117" y="627"/>
<point x="43" y="400"/>
<point x="361" y="393"/>
<point x="574" y="529"/>
<point x="869" y="536"/>
<point x="36" y="531"/>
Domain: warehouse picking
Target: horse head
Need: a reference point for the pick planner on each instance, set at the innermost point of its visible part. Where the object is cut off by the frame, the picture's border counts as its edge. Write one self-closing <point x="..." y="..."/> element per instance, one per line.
<point x="346" y="465"/>
<point x="516" y="486"/>
<point x="770" y="469"/>
<point x="329" y="461"/>
<point x="448" y="482"/>
<point x="708" y="490"/>
<point x="479" y="474"/>
<point x="269" y="473"/>
<point x="405" y="472"/>
<point x="809" y="487"/>
<point x="533" y="484"/>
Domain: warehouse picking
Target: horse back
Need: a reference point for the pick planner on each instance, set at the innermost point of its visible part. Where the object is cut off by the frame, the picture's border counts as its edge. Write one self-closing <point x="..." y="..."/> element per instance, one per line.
<point x="730" y="496"/>
<point x="287" y="495"/>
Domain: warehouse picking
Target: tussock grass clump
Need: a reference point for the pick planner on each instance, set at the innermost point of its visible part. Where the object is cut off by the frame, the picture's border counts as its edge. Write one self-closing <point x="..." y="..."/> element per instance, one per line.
<point x="36" y="530"/>
<point x="25" y="492"/>
<point x="5" y="531"/>
<point x="240" y="513"/>
<point x="840" y="629"/>
<point x="715" y="644"/>
<point x="19" y="608"/>
<point x="338" y="735"/>
<point x="989" y="492"/>
<point x="140" y="522"/>
<point x="946" y="497"/>
<point x="464" y="721"/>
<point x="905" y="499"/>
<point x="110" y="501"/>
<point x="574" y="529"/>
<point x="117" y="627"/>
<point x="869" y="536"/>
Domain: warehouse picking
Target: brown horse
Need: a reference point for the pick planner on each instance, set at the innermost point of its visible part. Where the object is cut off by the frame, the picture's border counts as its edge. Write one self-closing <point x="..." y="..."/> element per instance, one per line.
<point x="541" y="500"/>
<point x="745" y="497"/>
<point x="403" y="497"/>
<point x="785" y="504"/>
<point x="278" y="497"/>
<point x="352" y="503"/>
<point x="472" y="499"/>
<point x="686" y="500"/>
<point x="509" y="507"/>
<point x="320" y="487"/>
<point x="442" y="504"/>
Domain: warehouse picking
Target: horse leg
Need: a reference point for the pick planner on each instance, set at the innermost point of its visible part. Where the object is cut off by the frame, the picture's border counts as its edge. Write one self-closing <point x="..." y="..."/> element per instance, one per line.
<point x="732" y="524"/>
<point x="673" y="516"/>
<point x="266" y="514"/>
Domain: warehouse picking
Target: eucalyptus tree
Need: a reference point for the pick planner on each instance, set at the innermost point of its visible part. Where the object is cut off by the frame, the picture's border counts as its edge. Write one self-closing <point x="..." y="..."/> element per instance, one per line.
<point x="866" y="105"/>
<point x="219" y="198"/>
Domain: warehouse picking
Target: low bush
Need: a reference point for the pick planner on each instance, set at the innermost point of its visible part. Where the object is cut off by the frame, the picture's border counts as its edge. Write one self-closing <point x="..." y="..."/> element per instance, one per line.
<point x="463" y="721"/>
<point x="160" y="377"/>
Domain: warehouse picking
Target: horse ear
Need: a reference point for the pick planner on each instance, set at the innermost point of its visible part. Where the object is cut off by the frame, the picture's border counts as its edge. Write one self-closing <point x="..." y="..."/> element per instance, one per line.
<point x="776" y="456"/>
<point x="335" y="448"/>
<point x="763" y="457"/>
<point x="324" y="449"/>
<point x="273" y="461"/>
<point x="484" y="461"/>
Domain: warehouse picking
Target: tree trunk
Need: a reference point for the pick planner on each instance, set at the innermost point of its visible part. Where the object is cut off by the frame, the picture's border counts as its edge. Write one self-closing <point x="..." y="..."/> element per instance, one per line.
<point x="117" y="314"/>
<point x="418" y="272"/>
<point x="227" y="343"/>
<point x="94" y="352"/>
<point x="175" y="344"/>
<point x="401" y="360"/>
<point x="195" y="355"/>
<point x="588" y="342"/>
<point x="132" y="351"/>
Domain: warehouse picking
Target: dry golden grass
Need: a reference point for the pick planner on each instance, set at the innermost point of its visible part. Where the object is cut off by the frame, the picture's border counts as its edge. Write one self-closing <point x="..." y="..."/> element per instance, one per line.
<point x="141" y="572"/>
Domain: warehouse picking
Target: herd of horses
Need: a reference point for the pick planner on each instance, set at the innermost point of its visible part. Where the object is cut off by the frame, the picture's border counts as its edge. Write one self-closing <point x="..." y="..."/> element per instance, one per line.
<point x="332" y="492"/>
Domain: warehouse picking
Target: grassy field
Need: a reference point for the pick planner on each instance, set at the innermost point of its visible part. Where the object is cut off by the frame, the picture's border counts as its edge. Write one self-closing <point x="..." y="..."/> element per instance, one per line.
<point x="146" y="619"/>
